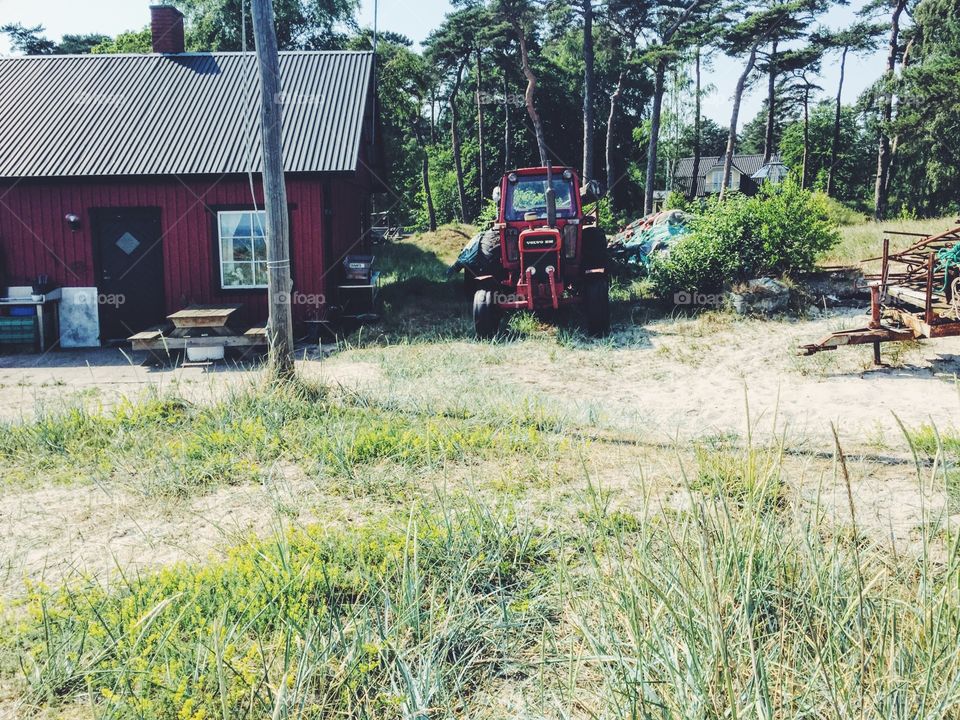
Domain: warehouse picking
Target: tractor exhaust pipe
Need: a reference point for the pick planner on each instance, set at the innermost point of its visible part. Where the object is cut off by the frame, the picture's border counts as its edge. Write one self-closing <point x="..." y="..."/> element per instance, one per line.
<point x="551" y="198"/>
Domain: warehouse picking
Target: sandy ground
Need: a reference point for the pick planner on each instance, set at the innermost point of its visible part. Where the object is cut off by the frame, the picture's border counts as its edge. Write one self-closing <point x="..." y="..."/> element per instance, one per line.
<point x="686" y="378"/>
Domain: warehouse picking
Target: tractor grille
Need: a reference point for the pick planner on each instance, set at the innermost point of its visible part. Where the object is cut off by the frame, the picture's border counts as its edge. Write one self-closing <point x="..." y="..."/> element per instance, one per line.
<point x="541" y="261"/>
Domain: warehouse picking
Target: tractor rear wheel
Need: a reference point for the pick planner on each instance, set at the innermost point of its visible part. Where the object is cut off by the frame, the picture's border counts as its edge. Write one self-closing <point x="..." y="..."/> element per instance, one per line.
<point x="596" y="305"/>
<point x="486" y="315"/>
<point x="490" y="250"/>
<point x="594" y="253"/>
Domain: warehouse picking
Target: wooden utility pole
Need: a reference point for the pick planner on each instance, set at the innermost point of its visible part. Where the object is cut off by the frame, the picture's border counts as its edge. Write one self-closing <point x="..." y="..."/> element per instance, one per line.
<point x="279" y="282"/>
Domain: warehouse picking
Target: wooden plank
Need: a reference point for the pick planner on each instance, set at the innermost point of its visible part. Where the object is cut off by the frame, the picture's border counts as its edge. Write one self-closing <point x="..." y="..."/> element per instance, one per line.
<point x="146" y="335"/>
<point x="203" y="316"/>
<point x="171" y="343"/>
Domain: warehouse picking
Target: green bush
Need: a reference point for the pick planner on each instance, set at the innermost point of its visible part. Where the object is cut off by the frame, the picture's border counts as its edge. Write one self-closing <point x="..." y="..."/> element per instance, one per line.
<point x="779" y="231"/>
<point x="676" y="200"/>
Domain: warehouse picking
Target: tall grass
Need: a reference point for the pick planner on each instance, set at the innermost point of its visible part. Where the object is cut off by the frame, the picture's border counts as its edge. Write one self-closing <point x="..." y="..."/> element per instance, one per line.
<point x="865" y="240"/>
<point x="742" y="607"/>
<point x="734" y="598"/>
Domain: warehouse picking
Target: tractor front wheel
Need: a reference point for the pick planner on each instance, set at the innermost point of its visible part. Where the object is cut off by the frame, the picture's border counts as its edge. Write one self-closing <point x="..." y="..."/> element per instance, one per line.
<point x="486" y="315"/>
<point x="596" y="305"/>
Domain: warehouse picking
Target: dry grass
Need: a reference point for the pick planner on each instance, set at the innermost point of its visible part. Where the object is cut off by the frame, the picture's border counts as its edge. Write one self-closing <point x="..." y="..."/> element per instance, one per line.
<point x="862" y="241"/>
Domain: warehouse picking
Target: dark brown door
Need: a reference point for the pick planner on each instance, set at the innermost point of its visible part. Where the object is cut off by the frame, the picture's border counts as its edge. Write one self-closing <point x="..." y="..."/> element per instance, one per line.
<point x="129" y="270"/>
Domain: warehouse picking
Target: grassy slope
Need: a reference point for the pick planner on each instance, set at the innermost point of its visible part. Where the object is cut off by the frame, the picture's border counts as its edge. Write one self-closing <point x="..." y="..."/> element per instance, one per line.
<point x="865" y="240"/>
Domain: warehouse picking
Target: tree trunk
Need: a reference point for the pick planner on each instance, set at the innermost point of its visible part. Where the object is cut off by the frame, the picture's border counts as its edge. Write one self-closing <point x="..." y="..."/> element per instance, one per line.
<point x="651" y="179"/>
<point x="455" y="141"/>
<point x="507" y="130"/>
<point x="424" y="169"/>
<point x="895" y="143"/>
<point x="835" y="145"/>
<point x="433" y="118"/>
<point x="881" y="187"/>
<point x="806" y="136"/>
<point x="611" y="124"/>
<point x="697" y="130"/>
<point x="771" y="104"/>
<point x="658" y="105"/>
<point x="589" y="90"/>
<point x="480" y="139"/>
<point x="734" y="118"/>
<point x="530" y="98"/>
<point x="279" y="281"/>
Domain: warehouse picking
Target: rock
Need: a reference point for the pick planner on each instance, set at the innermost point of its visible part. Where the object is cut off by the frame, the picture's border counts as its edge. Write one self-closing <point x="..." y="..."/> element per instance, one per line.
<point x="762" y="296"/>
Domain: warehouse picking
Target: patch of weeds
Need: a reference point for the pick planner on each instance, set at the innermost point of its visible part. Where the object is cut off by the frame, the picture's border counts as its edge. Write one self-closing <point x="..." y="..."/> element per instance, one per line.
<point x="166" y="447"/>
<point x="929" y="440"/>
<point x="900" y="354"/>
<point x="382" y="622"/>
<point x="746" y="477"/>
<point x="819" y="365"/>
<point x="524" y="324"/>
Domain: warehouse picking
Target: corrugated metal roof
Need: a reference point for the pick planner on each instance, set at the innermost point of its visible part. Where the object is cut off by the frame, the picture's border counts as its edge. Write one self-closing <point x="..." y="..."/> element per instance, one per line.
<point x="747" y="164"/>
<point x="195" y="113"/>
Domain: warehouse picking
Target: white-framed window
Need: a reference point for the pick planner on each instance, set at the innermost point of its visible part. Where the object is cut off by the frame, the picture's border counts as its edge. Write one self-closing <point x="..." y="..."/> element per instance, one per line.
<point x="715" y="179"/>
<point x="243" y="249"/>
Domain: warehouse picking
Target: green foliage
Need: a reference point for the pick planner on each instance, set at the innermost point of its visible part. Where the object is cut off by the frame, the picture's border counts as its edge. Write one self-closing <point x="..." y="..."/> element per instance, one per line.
<point x="839" y="214"/>
<point x="488" y="213"/>
<point x="31" y="41"/>
<point x="300" y="24"/>
<point x="128" y="42"/>
<point x="676" y="200"/>
<point x="378" y="623"/>
<point x="926" y="175"/>
<point x="781" y="230"/>
<point x="856" y="160"/>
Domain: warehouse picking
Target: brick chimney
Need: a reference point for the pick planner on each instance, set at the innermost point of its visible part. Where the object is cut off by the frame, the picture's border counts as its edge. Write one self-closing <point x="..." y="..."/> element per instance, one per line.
<point x="166" y="29"/>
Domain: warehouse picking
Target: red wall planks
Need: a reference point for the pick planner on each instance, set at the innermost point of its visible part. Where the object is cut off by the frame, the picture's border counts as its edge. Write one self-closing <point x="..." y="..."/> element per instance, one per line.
<point x="36" y="239"/>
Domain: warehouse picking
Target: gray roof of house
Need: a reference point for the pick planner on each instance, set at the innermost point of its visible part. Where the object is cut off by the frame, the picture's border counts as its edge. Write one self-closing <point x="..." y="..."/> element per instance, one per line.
<point x="747" y="164"/>
<point x="187" y="114"/>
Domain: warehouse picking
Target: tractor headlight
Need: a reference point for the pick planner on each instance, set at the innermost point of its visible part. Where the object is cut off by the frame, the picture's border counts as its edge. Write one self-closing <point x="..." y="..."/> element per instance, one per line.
<point x="512" y="238"/>
<point x="569" y="240"/>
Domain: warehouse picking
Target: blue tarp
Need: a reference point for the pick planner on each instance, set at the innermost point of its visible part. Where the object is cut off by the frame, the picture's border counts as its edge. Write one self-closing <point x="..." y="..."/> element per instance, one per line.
<point x="643" y="239"/>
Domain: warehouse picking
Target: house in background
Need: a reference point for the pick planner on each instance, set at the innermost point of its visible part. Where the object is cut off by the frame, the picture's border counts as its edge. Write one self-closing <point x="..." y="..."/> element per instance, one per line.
<point x="131" y="175"/>
<point x="748" y="173"/>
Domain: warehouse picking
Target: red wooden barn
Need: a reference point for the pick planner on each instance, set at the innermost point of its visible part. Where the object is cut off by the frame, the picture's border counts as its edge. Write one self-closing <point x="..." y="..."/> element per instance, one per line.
<point x="138" y="175"/>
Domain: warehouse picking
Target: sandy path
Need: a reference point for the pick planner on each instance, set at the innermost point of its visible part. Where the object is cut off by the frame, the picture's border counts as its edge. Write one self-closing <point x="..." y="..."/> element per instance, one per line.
<point x="689" y="378"/>
<point x="683" y="378"/>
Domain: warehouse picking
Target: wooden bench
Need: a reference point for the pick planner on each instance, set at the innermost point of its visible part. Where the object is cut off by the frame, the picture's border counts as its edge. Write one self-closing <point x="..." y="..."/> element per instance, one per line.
<point x="158" y="340"/>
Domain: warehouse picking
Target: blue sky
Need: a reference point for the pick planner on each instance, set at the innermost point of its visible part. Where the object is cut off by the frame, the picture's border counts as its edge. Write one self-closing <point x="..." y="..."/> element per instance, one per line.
<point x="415" y="19"/>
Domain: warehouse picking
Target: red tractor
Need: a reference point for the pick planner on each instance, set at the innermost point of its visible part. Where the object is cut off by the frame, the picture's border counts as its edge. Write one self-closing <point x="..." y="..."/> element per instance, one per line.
<point x="542" y="252"/>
